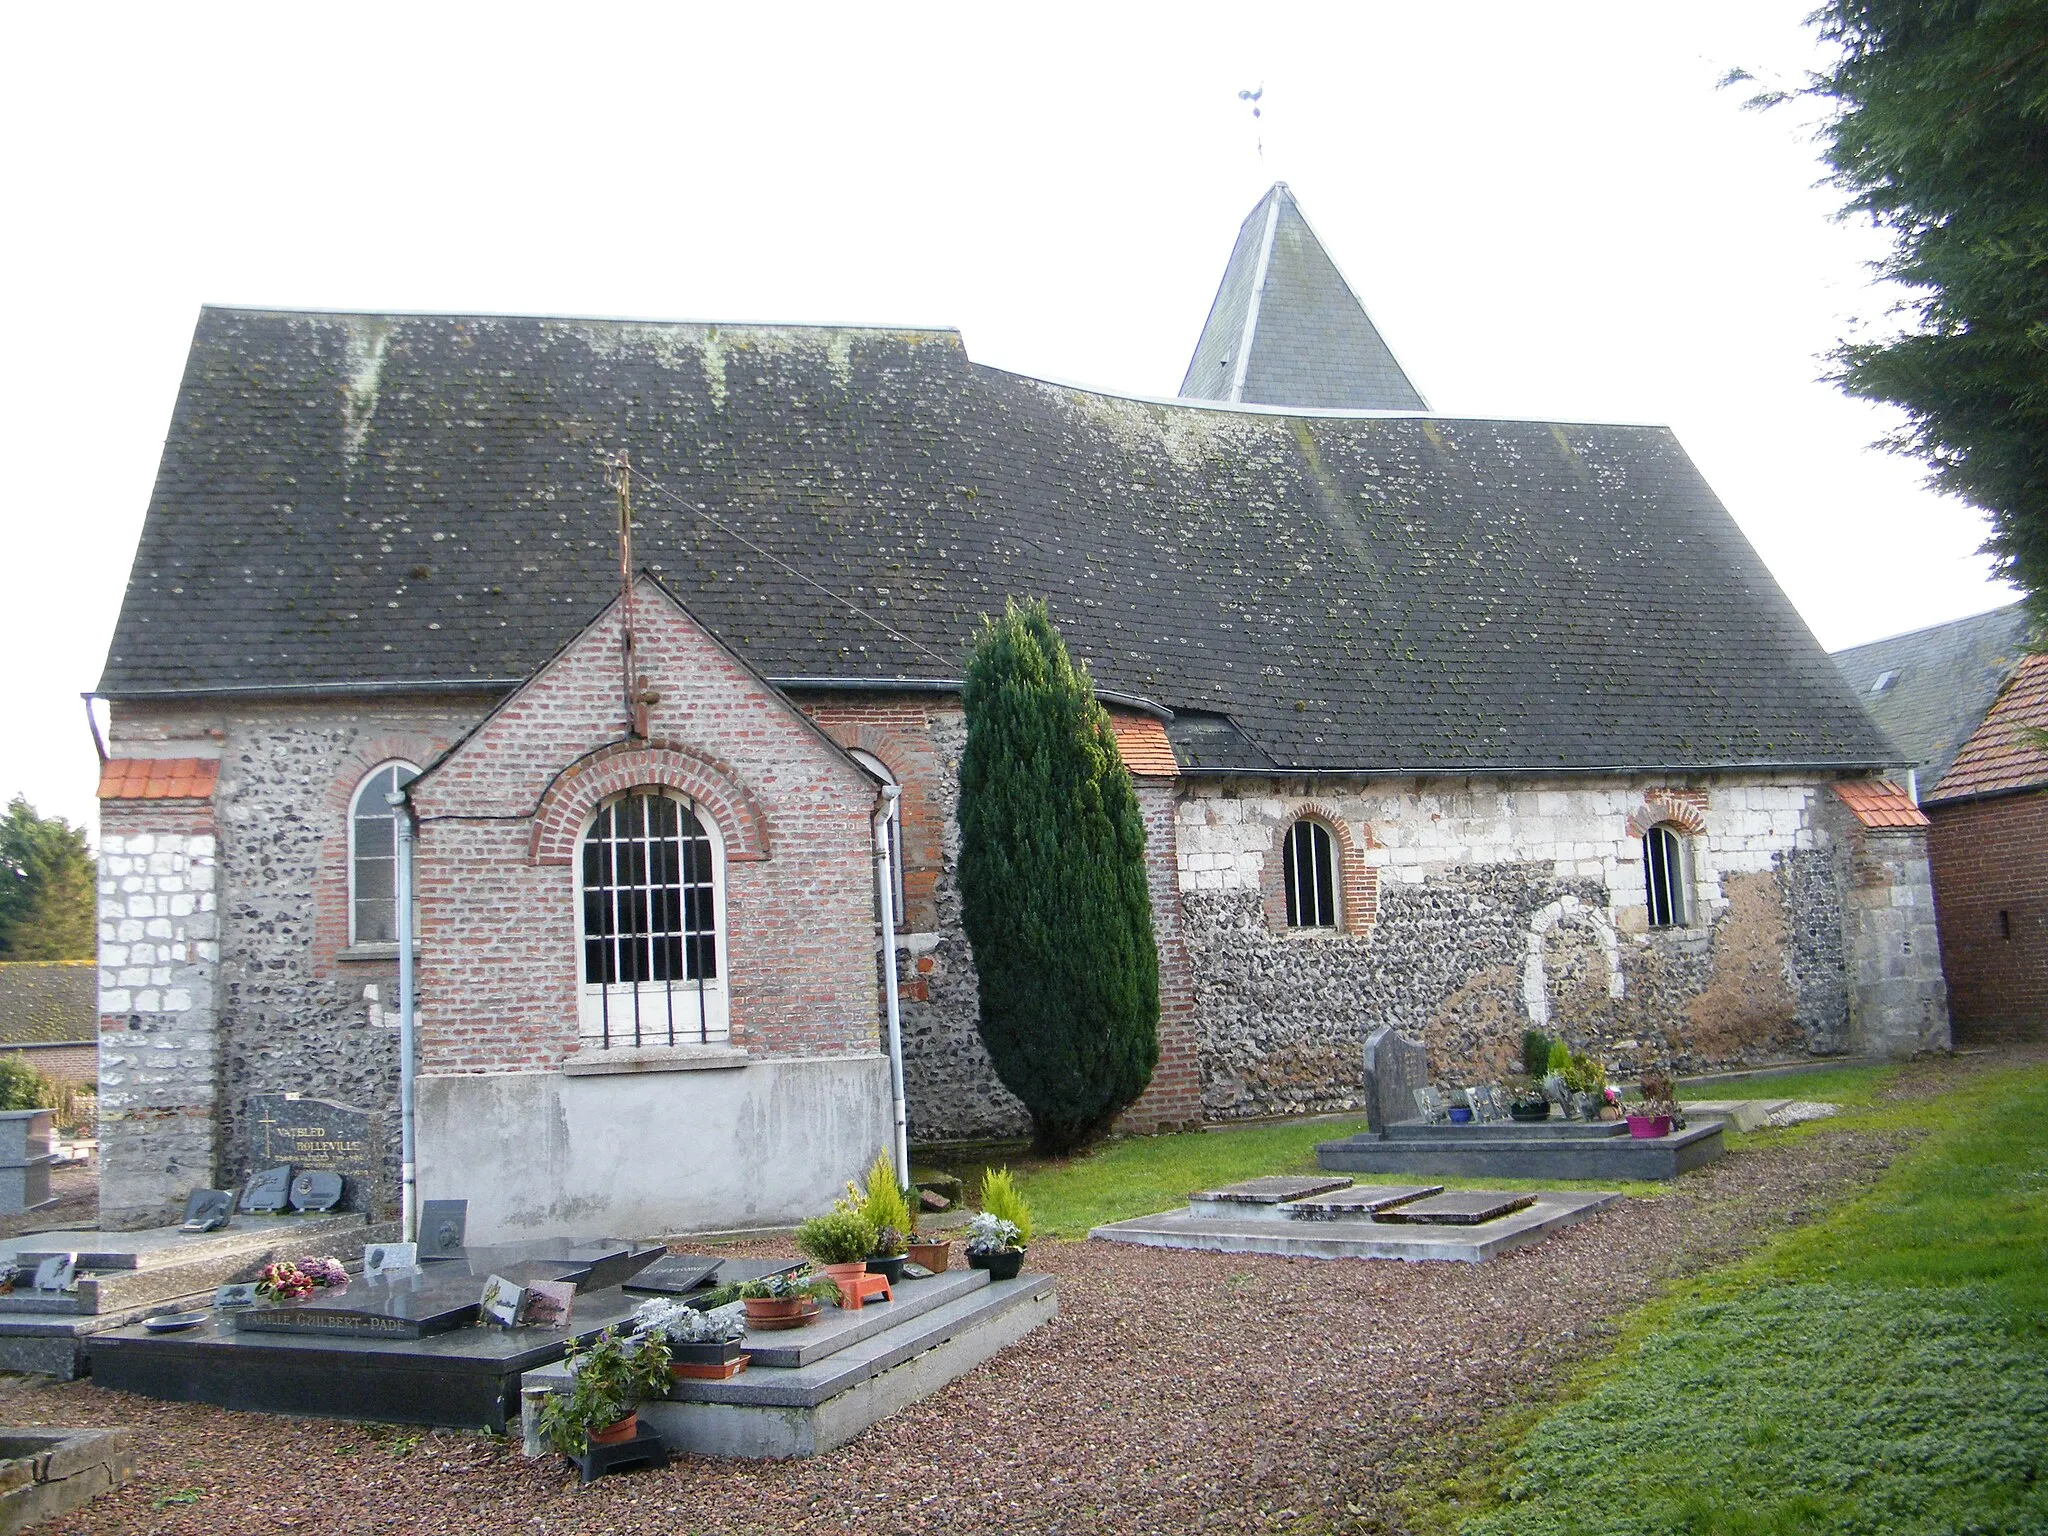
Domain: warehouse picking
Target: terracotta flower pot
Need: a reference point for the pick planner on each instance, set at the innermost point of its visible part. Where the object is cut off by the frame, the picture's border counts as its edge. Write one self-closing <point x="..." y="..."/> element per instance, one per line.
<point x="1649" y="1127"/>
<point x="769" y="1309"/>
<point x="624" y="1429"/>
<point x="936" y="1257"/>
<point x="844" y="1274"/>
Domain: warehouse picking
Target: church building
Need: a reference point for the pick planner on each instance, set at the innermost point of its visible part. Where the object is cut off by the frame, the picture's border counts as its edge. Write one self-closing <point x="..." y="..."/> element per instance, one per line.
<point x="1459" y="725"/>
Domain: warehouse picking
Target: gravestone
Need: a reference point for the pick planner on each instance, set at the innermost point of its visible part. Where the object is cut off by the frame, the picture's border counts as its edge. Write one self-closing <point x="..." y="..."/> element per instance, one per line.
<point x="1486" y="1104"/>
<point x="207" y="1210"/>
<point x="316" y="1135"/>
<point x="1395" y="1067"/>
<point x="443" y="1228"/>
<point x="316" y="1190"/>
<point x="676" y="1275"/>
<point x="379" y="1258"/>
<point x="1429" y="1106"/>
<point x="268" y="1190"/>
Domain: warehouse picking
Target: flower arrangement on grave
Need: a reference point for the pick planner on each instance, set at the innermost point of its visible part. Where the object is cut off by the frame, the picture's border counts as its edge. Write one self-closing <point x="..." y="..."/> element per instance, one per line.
<point x="10" y="1275"/>
<point x="1526" y="1098"/>
<point x="607" y="1384"/>
<point x="882" y="1203"/>
<point x="681" y="1323"/>
<point x="1585" y="1078"/>
<point x="324" y="1271"/>
<point x="797" y="1285"/>
<point x="1657" y="1112"/>
<point x="285" y="1281"/>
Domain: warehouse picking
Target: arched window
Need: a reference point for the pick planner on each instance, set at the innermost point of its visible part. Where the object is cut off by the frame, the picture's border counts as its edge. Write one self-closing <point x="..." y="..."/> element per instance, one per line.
<point x="651" y="896"/>
<point x="880" y="770"/>
<point x="373" y="855"/>
<point x="1309" y="860"/>
<point x="1664" y="877"/>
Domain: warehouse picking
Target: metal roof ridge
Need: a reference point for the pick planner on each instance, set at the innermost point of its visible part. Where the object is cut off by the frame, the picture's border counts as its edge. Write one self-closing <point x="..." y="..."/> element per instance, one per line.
<point x="350" y="312"/>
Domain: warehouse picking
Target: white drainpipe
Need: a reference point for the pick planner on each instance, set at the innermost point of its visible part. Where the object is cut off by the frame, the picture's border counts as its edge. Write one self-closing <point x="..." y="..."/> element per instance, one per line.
<point x="408" y="1231"/>
<point x="885" y="896"/>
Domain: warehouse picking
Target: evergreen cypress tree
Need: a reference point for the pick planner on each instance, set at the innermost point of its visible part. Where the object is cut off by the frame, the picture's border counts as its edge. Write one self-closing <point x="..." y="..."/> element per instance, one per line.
<point x="1052" y="885"/>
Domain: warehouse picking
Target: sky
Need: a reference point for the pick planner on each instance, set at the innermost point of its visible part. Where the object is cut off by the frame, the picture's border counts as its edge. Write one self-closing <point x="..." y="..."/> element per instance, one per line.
<point x="1551" y="210"/>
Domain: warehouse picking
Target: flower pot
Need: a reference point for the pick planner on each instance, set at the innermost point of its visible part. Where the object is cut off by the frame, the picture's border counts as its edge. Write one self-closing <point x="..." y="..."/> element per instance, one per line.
<point x="777" y="1309"/>
<point x="936" y="1257"/>
<point x="1461" y="1114"/>
<point x="1000" y="1266"/>
<point x="1529" y="1114"/>
<point x="1649" y="1127"/>
<point x="705" y="1354"/>
<point x="844" y="1274"/>
<point x="890" y="1267"/>
<point x="613" y="1434"/>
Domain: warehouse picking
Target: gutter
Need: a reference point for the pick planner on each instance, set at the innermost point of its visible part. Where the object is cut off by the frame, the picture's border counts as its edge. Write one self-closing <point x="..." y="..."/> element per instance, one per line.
<point x="1521" y="770"/>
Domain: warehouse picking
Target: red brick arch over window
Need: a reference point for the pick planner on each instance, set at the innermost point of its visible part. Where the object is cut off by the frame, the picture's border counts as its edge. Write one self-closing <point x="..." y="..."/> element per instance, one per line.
<point x="1680" y="807"/>
<point x="1358" y="884"/>
<point x="586" y="784"/>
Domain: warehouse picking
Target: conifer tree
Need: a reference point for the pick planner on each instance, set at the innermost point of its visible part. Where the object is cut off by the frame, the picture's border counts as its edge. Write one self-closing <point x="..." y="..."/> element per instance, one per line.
<point x="46" y="887"/>
<point x="1052" y="885"/>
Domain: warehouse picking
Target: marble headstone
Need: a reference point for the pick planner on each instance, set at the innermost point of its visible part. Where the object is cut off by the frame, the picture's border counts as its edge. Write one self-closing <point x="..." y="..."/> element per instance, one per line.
<point x="317" y="1135"/>
<point x="1395" y="1067"/>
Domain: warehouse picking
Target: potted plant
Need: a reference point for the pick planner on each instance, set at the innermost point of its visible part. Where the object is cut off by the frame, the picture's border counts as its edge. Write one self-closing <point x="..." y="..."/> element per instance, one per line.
<point x="1653" y="1117"/>
<point x="1526" y="1100"/>
<point x="1535" y="1054"/>
<point x="607" y="1383"/>
<point x="785" y="1301"/>
<point x="1585" y="1079"/>
<point x="702" y="1345"/>
<point x="998" y="1235"/>
<point x="1461" y="1114"/>
<point x="839" y="1241"/>
<point x="885" y="1206"/>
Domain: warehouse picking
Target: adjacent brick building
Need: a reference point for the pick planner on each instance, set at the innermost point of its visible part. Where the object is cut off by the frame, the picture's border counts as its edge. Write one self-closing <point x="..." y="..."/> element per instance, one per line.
<point x="1456" y="724"/>
<point x="1990" y="854"/>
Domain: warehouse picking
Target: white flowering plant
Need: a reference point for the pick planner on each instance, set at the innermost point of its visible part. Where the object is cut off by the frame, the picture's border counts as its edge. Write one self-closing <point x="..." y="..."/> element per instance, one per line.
<point x="992" y="1234"/>
<point x="681" y="1323"/>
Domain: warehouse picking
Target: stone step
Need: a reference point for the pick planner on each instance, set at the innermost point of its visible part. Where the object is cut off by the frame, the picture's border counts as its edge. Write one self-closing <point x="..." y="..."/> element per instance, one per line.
<point x="811" y="1409"/>
<point x="1743" y="1114"/>
<point x="837" y="1329"/>
<point x="1583" y="1157"/>
<point x="1506" y="1130"/>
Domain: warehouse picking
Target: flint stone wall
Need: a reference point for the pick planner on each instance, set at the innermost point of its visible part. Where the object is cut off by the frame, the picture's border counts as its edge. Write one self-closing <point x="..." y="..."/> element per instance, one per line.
<point x="1473" y="881"/>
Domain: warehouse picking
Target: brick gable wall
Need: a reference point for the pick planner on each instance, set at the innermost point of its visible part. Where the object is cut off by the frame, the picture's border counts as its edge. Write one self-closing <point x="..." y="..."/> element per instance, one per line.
<point x="498" y="966"/>
<point x="1991" y="857"/>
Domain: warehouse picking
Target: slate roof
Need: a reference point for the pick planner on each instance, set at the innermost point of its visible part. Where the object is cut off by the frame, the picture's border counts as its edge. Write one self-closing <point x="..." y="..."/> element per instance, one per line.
<point x="1938" y="683"/>
<point x="1311" y="342"/>
<point x="2005" y="753"/>
<point x="49" y="1000"/>
<point x="355" y="502"/>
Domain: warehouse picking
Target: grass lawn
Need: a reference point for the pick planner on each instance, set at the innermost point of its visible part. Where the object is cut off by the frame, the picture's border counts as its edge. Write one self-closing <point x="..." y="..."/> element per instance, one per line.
<point x="1885" y="1370"/>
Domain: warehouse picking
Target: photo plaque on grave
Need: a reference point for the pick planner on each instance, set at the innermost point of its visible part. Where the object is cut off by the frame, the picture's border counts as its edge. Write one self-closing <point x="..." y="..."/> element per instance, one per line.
<point x="318" y="1135"/>
<point x="207" y="1210"/>
<point x="502" y="1302"/>
<point x="57" y="1272"/>
<point x="385" y="1258"/>
<point x="316" y="1190"/>
<point x="268" y="1191"/>
<point x="549" y="1303"/>
<point x="240" y="1294"/>
<point x="443" y="1228"/>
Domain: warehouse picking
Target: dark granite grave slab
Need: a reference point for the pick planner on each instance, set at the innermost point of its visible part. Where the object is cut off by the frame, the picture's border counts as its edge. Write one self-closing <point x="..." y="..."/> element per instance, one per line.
<point x="464" y="1378"/>
<point x="1506" y="1132"/>
<point x="1395" y="1067"/>
<point x="1484" y="1152"/>
<point x="1459" y="1208"/>
<point x="1358" y="1201"/>
<point x="1271" y="1190"/>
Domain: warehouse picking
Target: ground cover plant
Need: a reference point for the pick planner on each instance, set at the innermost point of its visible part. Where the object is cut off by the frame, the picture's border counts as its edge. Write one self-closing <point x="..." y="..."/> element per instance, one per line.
<point x="1883" y="1371"/>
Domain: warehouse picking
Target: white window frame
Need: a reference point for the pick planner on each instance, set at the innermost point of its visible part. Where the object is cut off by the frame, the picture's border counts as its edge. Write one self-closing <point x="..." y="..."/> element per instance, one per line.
<point x="1677" y="868"/>
<point x="623" y="1015"/>
<point x="880" y="770"/>
<point x="355" y="801"/>
<point x="1333" y="921"/>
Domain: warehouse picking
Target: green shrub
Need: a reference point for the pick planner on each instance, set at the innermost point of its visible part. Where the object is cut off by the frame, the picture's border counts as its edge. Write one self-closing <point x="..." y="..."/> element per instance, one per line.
<point x="1000" y="1199"/>
<point x="837" y="1237"/>
<point x="23" y="1087"/>
<point x="1535" y="1053"/>
<point x="1559" y="1060"/>
<point x="886" y="1206"/>
<point x="1052" y="884"/>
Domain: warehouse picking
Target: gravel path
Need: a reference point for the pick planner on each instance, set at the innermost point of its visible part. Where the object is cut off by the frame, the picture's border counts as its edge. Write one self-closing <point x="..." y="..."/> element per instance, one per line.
<point x="1175" y="1392"/>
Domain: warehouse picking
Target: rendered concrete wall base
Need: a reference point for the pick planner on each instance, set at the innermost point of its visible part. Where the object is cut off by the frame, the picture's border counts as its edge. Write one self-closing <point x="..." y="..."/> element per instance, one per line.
<point x="543" y="1154"/>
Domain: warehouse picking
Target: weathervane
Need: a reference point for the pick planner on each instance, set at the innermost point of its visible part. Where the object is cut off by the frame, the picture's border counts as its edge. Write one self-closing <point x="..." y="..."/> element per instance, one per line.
<point x="1258" y="138"/>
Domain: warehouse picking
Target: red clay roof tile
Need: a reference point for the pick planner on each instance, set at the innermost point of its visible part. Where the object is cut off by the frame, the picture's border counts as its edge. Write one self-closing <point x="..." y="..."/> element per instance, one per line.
<point x="1881" y="803"/>
<point x="158" y="778"/>
<point x="1141" y="742"/>
<point x="2006" y="751"/>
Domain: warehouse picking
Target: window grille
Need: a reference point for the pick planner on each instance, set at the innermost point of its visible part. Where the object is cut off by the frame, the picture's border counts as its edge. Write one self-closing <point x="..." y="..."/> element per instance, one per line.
<point x="1664" y="877"/>
<point x="373" y="855"/>
<point x="650" y="894"/>
<point x="1311" y="869"/>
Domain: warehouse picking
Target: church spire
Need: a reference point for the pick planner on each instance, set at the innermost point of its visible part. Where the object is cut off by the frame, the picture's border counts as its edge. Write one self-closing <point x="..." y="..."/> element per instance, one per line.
<point x="1286" y="329"/>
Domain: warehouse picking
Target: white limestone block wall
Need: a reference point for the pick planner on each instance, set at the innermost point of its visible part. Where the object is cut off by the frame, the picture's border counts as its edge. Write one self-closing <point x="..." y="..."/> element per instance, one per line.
<point x="159" y="953"/>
